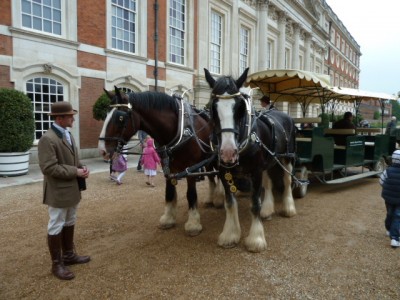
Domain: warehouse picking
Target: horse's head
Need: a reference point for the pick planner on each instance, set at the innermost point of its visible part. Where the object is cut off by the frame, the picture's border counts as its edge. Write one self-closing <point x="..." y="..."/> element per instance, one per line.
<point x="119" y="125"/>
<point x="228" y="111"/>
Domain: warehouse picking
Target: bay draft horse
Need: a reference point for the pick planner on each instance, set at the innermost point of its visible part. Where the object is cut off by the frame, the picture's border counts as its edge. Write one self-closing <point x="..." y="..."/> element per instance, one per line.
<point x="181" y="134"/>
<point x="258" y="146"/>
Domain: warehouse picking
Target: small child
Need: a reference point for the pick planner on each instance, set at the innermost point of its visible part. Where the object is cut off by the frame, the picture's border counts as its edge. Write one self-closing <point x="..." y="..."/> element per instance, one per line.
<point x="390" y="182"/>
<point x="119" y="167"/>
<point x="149" y="161"/>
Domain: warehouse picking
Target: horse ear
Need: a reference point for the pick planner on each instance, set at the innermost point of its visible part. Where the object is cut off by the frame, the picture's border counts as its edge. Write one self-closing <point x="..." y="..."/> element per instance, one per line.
<point x="242" y="78"/>
<point x="108" y="93"/>
<point x="209" y="78"/>
<point x="117" y="93"/>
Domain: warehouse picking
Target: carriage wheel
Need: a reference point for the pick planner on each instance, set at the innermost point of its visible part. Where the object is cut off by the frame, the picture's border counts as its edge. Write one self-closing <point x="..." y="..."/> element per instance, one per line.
<point x="380" y="166"/>
<point x="301" y="191"/>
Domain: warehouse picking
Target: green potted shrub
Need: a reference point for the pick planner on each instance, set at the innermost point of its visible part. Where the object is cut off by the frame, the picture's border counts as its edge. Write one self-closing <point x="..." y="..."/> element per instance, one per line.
<point x="16" y="132"/>
<point x="101" y="107"/>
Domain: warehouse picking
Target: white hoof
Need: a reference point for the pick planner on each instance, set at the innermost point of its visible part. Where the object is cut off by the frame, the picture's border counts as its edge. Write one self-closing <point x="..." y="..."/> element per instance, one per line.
<point x="255" y="245"/>
<point x="193" y="226"/>
<point x="228" y="241"/>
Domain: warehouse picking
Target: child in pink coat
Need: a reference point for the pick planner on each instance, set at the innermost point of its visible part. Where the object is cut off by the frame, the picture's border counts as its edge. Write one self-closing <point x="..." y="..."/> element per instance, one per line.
<point x="149" y="161"/>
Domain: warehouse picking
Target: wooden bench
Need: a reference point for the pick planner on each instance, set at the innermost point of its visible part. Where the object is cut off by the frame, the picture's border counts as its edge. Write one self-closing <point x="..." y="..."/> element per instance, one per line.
<point x="307" y="120"/>
<point x="339" y="135"/>
<point x="339" y="131"/>
<point x="368" y="131"/>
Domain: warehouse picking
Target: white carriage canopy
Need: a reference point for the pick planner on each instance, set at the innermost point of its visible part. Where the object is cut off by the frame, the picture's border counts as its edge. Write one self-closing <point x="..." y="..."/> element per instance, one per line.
<point x="305" y="87"/>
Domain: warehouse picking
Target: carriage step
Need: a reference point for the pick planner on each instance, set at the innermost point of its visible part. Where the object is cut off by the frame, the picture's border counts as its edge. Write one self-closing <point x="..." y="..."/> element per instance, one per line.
<point x="352" y="177"/>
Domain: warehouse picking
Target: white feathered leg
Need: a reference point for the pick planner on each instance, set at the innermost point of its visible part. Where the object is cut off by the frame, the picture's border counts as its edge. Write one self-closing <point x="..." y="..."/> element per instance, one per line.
<point x="193" y="226"/>
<point x="231" y="233"/>
<point x="267" y="201"/>
<point x="219" y="195"/>
<point x="256" y="241"/>
<point x="289" y="209"/>
<point x="211" y="193"/>
<point x="168" y="219"/>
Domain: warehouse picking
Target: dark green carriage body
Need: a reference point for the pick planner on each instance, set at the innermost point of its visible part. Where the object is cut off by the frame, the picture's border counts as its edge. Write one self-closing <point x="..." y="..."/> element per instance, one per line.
<point x="317" y="153"/>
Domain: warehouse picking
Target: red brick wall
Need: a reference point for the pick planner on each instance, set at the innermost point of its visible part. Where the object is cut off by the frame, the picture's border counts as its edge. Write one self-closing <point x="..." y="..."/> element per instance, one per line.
<point x="92" y="61"/>
<point x="5" y="77"/>
<point x="92" y="22"/>
<point x="90" y="128"/>
<point x="6" y="47"/>
<point x="5" y="12"/>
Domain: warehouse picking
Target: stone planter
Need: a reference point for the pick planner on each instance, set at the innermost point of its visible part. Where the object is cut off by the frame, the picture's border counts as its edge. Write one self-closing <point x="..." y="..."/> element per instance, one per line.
<point x="14" y="163"/>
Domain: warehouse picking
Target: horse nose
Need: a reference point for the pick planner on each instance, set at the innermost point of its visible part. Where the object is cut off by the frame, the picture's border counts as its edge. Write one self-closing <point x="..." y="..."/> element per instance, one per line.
<point x="229" y="155"/>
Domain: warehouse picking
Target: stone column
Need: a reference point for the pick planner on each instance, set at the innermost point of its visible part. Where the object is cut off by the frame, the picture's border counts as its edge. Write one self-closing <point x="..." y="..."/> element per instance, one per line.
<point x="296" y="46"/>
<point x="262" y="6"/>
<point x="282" y="39"/>
<point x="307" y="54"/>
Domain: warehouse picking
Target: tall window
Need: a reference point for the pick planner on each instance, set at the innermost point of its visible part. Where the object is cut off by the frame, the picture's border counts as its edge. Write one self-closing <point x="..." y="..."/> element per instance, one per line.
<point x="43" y="92"/>
<point x="216" y="43"/>
<point x="287" y="58"/>
<point x="244" y="49"/>
<point x="269" y="55"/>
<point x="177" y="31"/>
<point x="42" y="15"/>
<point x="123" y="26"/>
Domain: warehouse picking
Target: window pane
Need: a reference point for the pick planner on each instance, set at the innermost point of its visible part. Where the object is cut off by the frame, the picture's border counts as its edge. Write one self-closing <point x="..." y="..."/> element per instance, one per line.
<point x="37" y="23"/>
<point x="57" y="28"/>
<point x="37" y="10"/>
<point x="26" y="7"/>
<point x="47" y="12"/>
<point x="47" y="26"/>
<point x="26" y="21"/>
<point x="57" y="4"/>
<point x="57" y="15"/>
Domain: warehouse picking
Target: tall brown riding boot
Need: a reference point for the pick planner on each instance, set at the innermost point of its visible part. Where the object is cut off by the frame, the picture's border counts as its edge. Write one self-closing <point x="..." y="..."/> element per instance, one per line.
<point x="69" y="255"/>
<point x="58" y="269"/>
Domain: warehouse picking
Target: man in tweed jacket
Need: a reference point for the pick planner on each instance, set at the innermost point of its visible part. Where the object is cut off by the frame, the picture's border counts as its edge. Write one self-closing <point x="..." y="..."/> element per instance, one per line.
<point x="60" y="165"/>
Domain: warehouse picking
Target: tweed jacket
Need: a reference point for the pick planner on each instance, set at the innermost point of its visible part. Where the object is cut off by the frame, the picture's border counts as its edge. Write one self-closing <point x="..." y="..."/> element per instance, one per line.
<point x="58" y="161"/>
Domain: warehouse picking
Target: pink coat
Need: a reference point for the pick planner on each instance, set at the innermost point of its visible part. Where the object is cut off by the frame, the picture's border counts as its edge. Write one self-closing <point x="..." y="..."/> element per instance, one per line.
<point x="150" y="158"/>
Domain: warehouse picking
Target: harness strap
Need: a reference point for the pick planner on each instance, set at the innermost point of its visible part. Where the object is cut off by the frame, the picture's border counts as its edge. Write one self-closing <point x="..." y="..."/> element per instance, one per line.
<point x="189" y="170"/>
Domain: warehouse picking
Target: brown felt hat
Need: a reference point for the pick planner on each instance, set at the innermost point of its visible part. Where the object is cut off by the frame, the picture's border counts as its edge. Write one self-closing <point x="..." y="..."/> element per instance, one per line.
<point x="62" y="108"/>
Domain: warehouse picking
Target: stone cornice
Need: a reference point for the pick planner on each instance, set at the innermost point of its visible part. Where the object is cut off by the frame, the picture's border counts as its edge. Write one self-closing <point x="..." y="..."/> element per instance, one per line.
<point x="41" y="38"/>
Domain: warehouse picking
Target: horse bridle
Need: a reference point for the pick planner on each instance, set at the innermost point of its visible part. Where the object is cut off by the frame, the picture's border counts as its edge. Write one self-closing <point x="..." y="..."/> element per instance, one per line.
<point x="122" y="122"/>
<point x="243" y="144"/>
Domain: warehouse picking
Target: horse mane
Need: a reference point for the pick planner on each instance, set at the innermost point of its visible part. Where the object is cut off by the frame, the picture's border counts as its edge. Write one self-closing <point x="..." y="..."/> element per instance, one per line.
<point x="153" y="100"/>
<point x="225" y="84"/>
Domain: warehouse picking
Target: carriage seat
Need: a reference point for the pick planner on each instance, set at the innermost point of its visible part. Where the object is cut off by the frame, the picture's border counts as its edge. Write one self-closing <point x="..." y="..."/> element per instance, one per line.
<point x="339" y="135"/>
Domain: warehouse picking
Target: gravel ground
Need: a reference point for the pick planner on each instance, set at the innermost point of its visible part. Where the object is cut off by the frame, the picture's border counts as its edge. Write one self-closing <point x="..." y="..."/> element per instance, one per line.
<point x="335" y="248"/>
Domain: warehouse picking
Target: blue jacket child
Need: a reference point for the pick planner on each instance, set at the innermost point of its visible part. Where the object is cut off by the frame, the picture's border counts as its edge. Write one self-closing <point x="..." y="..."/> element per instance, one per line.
<point x="390" y="182"/>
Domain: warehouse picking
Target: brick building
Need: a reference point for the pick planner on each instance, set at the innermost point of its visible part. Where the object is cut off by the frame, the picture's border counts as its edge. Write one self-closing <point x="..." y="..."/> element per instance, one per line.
<point x="71" y="50"/>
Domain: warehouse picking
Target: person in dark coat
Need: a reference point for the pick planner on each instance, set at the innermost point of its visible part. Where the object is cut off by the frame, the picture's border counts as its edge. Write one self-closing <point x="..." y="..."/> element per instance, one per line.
<point x="345" y="123"/>
<point x="60" y="165"/>
<point x="390" y="182"/>
<point x="391" y="127"/>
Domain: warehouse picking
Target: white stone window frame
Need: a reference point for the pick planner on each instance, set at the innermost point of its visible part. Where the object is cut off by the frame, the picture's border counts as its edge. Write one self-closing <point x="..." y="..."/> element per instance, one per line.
<point x="171" y="38"/>
<point x="37" y="100"/>
<point x="216" y="46"/>
<point x="69" y="21"/>
<point x="141" y="29"/>
<point x="70" y="81"/>
<point x="125" y="40"/>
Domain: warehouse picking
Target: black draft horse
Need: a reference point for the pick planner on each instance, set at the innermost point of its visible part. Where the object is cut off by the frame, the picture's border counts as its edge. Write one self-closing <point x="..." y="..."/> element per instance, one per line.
<point x="182" y="135"/>
<point x="258" y="146"/>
